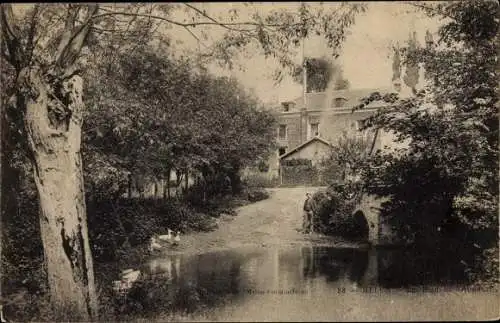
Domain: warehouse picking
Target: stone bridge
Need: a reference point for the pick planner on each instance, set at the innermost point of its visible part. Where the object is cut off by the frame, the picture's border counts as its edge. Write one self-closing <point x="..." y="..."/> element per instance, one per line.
<point x="368" y="210"/>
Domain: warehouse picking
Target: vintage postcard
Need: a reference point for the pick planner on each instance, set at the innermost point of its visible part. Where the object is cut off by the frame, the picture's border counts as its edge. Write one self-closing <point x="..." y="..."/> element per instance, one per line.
<point x="249" y="161"/>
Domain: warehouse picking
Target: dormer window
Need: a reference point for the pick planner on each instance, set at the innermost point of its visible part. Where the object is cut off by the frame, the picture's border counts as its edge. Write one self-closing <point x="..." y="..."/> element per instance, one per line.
<point x="287" y="106"/>
<point x="340" y="102"/>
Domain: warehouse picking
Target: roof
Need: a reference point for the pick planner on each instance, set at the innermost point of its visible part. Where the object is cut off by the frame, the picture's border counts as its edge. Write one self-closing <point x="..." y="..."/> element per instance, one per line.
<point x="299" y="147"/>
<point x="318" y="100"/>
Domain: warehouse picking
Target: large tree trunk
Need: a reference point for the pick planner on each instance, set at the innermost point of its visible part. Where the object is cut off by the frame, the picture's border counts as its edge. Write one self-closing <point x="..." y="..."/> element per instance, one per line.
<point x="53" y="118"/>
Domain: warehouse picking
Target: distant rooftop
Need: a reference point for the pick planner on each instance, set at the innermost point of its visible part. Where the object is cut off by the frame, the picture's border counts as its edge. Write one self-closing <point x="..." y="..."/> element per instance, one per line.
<point x="338" y="99"/>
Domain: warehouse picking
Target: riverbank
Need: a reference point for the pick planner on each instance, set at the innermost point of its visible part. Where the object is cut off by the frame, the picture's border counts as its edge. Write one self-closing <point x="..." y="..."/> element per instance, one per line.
<point x="275" y="221"/>
<point x="261" y="250"/>
<point x="120" y="232"/>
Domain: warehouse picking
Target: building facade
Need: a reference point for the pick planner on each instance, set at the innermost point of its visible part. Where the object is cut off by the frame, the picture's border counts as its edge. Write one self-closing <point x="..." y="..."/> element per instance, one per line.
<point x="328" y="115"/>
<point x="324" y="115"/>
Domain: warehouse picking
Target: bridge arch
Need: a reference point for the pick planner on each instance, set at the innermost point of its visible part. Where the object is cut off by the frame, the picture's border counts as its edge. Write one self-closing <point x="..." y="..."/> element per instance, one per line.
<point x="362" y="227"/>
<point x="369" y="208"/>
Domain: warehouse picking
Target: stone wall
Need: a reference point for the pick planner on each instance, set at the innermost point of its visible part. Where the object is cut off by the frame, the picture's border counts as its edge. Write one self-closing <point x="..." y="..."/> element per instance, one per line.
<point x="380" y="232"/>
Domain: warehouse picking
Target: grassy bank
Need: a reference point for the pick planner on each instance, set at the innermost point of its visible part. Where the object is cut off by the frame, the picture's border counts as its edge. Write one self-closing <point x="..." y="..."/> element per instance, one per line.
<point x="119" y="231"/>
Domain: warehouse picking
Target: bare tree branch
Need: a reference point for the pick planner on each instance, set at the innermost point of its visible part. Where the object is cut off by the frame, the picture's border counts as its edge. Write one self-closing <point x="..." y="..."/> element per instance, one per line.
<point x="113" y="13"/>
<point x="195" y="37"/>
<point x="215" y="21"/>
<point x="197" y="23"/>
<point x="73" y="46"/>
<point x="424" y="7"/>
<point x="107" y="30"/>
<point x="69" y="24"/>
<point x="14" y="53"/>
<point x="7" y="20"/>
<point x="31" y="36"/>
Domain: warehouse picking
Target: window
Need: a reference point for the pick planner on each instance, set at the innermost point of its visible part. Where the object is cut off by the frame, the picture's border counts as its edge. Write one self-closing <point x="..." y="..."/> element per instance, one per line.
<point x="287" y="106"/>
<point x="282" y="132"/>
<point x="340" y="102"/>
<point x="314" y="129"/>
<point x="281" y="151"/>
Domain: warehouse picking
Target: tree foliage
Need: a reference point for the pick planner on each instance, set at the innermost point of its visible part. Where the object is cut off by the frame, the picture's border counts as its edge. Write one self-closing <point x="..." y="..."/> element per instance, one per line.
<point x="160" y="116"/>
<point x="50" y="48"/>
<point x="320" y="73"/>
<point x="412" y="68"/>
<point x="346" y="158"/>
<point x="72" y="36"/>
<point x="444" y="184"/>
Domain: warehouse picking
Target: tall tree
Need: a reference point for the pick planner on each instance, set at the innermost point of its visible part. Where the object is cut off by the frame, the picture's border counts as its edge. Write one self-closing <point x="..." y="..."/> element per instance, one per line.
<point x="47" y="47"/>
<point x="396" y="65"/>
<point x="445" y="182"/>
<point x="202" y="122"/>
<point x="320" y="73"/>
<point x="412" y="69"/>
<point x="50" y="98"/>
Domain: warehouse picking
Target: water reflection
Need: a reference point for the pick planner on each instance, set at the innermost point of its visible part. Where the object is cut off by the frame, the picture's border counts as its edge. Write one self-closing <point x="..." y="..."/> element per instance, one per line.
<point x="334" y="263"/>
<point x="194" y="283"/>
<point x="413" y="267"/>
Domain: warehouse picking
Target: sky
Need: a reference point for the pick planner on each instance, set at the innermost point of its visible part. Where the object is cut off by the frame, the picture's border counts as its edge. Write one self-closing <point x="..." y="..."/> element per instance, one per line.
<point x="366" y="55"/>
<point x="365" y="58"/>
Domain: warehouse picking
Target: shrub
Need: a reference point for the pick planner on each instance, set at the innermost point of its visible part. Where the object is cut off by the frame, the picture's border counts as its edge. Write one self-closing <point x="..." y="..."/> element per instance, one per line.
<point x="296" y="162"/>
<point x="333" y="212"/>
<point x="22" y="253"/>
<point x="263" y="166"/>
<point x="256" y="180"/>
<point x="255" y="195"/>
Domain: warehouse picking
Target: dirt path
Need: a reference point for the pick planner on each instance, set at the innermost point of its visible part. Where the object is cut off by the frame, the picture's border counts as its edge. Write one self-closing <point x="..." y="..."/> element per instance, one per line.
<point x="274" y="221"/>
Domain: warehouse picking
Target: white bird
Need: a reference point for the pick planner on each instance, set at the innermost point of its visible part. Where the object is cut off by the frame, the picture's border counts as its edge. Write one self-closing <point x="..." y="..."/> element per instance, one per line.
<point x="126" y="271"/>
<point x="130" y="277"/>
<point x="127" y="278"/>
<point x="177" y="238"/>
<point x="2" y="319"/>
<point x="166" y="237"/>
<point x="153" y="245"/>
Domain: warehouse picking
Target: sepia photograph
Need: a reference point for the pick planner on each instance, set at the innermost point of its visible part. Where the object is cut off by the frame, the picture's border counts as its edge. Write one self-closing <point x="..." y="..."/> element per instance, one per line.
<point x="249" y="161"/>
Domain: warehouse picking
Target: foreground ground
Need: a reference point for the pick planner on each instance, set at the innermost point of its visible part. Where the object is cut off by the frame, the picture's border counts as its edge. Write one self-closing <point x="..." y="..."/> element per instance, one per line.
<point x="271" y="222"/>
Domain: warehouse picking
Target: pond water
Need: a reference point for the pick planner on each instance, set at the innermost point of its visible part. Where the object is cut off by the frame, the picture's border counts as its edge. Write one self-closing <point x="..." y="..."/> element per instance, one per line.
<point x="296" y="283"/>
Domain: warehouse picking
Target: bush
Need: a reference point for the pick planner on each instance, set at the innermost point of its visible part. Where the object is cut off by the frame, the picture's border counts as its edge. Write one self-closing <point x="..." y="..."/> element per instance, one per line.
<point x="263" y="166"/>
<point x="255" y="195"/>
<point x="115" y="226"/>
<point x="333" y="212"/>
<point x="256" y="180"/>
<point x="296" y="162"/>
<point x="22" y="252"/>
<point x="299" y="174"/>
<point x="119" y="232"/>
